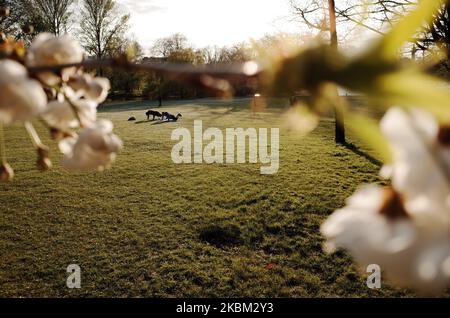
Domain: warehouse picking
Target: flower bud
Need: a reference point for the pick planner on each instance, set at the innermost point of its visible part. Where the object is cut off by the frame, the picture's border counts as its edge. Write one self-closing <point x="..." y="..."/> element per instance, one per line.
<point x="3" y="38"/>
<point x="46" y="49"/>
<point x="4" y="12"/>
<point x="43" y="162"/>
<point x="444" y="135"/>
<point x="6" y="173"/>
<point x="21" y="97"/>
<point x="28" y="29"/>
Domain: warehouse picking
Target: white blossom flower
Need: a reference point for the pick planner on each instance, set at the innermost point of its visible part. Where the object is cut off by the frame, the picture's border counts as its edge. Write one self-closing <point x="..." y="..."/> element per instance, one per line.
<point x="433" y="264"/>
<point x="94" y="149"/>
<point x="94" y="88"/>
<point x="378" y="227"/>
<point x="6" y="173"/>
<point x="421" y="165"/>
<point x="47" y="50"/>
<point x="301" y="119"/>
<point x="21" y="98"/>
<point x="360" y="225"/>
<point x="61" y="114"/>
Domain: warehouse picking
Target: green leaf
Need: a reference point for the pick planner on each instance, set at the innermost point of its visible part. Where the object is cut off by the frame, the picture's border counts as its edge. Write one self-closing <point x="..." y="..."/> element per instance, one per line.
<point x="411" y="89"/>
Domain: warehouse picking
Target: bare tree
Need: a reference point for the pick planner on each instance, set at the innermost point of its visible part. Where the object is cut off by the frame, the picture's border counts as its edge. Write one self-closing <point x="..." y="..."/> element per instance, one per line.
<point x="376" y="16"/>
<point x="102" y="26"/>
<point x="311" y="13"/>
<point x="373" y="15"/>
<point x="55" y="14"/>
<point x="339" y="117"/>
<point x="164" y="47"/>
<point x="212" y="54"/>
<point x="438" y="32"/>
<point x="322" y="16"/>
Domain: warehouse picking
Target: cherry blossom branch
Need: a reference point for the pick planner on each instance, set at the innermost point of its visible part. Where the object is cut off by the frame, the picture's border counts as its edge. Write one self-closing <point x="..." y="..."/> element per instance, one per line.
<point x="202" y="76"/>
<point x="35" y="139"/>
<point x="43" y="162"/>
<point x="432" y="150"/>
<point x="74" y="109"/>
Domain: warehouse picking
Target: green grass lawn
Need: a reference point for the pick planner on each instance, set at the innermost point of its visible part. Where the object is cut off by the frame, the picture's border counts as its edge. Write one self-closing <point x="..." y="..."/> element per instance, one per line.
<point x="148" y="227"/>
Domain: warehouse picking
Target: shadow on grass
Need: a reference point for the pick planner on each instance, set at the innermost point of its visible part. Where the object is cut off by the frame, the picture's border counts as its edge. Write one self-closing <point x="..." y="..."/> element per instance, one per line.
<point x="143" y="122"/>
<point x="221" y="235"/>
<point x="153" y="122"/>
<point x="163" y="122"/>
<point x="355" y="149"/>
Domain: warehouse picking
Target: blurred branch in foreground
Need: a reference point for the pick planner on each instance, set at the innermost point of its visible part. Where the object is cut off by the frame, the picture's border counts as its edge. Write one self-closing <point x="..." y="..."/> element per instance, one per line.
<point x="216" y="78"/>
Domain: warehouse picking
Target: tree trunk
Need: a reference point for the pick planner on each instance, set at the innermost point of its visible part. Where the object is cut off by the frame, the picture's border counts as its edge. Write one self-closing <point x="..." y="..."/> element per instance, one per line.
<point x="159" y="96"/>
<point x="339" y="136"/>
<point x="339" y="116"/>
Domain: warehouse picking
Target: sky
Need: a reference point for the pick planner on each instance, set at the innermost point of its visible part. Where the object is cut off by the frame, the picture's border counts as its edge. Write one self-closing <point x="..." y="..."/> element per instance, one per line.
<point x="207" y="22"/>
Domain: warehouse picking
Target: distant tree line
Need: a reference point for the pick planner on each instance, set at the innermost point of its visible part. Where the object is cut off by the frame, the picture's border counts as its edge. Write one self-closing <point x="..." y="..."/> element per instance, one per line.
<point x="103" y="29"/>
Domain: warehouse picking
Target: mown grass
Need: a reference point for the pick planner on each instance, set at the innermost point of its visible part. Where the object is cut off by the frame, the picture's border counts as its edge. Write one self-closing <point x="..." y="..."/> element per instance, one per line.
<point x="144" y="228"/>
